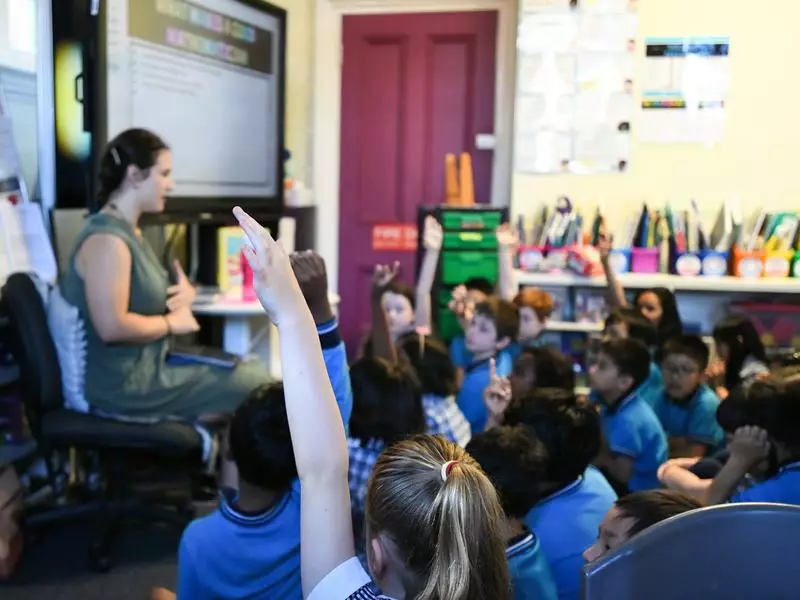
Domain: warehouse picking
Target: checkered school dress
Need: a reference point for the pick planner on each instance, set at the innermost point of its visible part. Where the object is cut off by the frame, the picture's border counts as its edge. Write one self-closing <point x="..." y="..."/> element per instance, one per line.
<point x="443" y="417"/>
<point x="363" y="456"/>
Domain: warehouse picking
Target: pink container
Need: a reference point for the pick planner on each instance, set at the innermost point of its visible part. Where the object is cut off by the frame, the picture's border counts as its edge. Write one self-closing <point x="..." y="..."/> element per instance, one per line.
<point x="248" y="293"/>
<point x="644" y="260"/>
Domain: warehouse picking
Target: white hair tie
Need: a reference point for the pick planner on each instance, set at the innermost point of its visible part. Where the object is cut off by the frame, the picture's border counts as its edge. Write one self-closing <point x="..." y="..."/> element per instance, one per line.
<point x="446" y="468"/>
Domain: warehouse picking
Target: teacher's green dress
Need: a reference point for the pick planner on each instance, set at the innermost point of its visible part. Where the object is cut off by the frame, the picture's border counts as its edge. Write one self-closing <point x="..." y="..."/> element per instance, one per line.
<point x="134" y="379"/>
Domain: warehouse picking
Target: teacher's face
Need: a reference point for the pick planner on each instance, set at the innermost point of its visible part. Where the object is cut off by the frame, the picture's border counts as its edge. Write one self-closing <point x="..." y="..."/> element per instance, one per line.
<point x="153" y="191"/>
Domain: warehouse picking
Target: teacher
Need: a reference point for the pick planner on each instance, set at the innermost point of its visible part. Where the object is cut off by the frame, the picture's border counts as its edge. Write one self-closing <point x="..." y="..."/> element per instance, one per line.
<point x="128" y="305"/>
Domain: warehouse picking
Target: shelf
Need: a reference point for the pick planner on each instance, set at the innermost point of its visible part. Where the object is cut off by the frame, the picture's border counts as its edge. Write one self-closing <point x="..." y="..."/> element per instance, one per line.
<point x="568" y="326"/>
<point x="671" y="282"/>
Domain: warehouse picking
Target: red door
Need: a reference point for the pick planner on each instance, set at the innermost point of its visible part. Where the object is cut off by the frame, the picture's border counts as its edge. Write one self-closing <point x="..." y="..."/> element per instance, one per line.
<point x="414" y="87"/>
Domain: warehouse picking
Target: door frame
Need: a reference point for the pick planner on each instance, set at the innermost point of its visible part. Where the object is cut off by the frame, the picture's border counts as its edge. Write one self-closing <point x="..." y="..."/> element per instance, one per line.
<point x="327" y="112"/>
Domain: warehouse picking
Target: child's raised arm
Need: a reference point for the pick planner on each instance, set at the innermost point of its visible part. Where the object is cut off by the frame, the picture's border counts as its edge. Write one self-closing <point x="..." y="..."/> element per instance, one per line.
<point x="318" y="437"/>
<point x="507" y="244"/>
<point x="615" y="289"/>
<point x="432" y="242"/>
<point x="382" y="342"/>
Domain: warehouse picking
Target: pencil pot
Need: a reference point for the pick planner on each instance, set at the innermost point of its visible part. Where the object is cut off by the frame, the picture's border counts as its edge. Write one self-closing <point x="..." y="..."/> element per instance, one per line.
<point x="715" y="264"/>
<point x="644" y="260"/>
<point x="778" y="263"/>
<point x="620" y="260"/>
<point x="531" y="258"/>
<point x="557" y="259"/>
<point x="687" y="264"/>
<point x="748" y="264"/>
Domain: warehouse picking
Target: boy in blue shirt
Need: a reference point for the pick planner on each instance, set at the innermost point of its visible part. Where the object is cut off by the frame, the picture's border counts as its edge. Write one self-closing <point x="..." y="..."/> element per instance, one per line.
<point x="465" y="298"/>
<point x="250" y="546"/>
<point x="575" y="496"/>
<point x="515" y="460"/>
<point x="686" y="407"/>
<point x="771" y="411"/>
<point x="492" y="328"/>
<point x="628" y="323"/>
<point x="636" y="444"/>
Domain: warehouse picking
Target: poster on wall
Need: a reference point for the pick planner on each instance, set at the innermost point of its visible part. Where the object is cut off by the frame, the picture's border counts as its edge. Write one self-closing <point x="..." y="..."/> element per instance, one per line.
<point x="574" y="103"/>
<point x="685" y="84"/>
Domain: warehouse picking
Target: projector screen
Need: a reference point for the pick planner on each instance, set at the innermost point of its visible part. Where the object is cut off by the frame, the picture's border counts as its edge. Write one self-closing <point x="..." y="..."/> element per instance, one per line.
<point x="206" y="76"/>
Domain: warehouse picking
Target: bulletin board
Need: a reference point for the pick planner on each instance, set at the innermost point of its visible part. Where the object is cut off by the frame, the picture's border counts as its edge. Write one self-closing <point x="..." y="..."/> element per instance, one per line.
<point x="574" y="102"/>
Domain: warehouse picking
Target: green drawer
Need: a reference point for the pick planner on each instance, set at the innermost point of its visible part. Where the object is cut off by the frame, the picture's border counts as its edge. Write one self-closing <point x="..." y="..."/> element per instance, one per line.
<point x="471" y="220"/>
<point x="457" y="267"/>
<point x="470" y="240"/>
<point x="449" y="326"/>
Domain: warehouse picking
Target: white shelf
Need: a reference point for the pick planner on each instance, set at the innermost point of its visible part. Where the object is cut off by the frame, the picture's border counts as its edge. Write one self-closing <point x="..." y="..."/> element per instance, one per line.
<point x="671" y="282"/>
<point x="568" y="326"/>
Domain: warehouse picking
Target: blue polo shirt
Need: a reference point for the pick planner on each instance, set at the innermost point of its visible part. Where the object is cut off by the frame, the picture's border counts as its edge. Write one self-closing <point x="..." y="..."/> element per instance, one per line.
<point x="566" y="524"/>
<point x="233" y="554"/>
<point x="461" y="357"/>
<point x="695" y="421"/>
<point x="531" y="577"/>
<point x="470" y="396"/>
<point x="632" y="429"/>
<point x="782" y="488"/>
<point x="652" y="385"/>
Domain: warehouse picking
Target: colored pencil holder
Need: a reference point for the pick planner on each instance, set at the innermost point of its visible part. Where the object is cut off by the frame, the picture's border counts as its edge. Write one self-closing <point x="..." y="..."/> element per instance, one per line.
<point x="557" y="258"/>
<point x="777" y="264"/>
<point x="531" y="258"/>
<point x="644" y="260"/>
<point x="620" y="260"/>
<point x="749" y="265"/>
<point x="715" y="264"/>
<point x="688" y="264"/>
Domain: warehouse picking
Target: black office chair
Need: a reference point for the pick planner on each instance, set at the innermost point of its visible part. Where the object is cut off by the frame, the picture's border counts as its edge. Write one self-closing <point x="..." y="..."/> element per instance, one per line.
<point x="116" y="448"/>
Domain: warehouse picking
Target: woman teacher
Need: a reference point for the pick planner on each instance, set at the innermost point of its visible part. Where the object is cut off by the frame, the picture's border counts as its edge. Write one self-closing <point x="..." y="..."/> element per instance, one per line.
<point x="129" y="307"/>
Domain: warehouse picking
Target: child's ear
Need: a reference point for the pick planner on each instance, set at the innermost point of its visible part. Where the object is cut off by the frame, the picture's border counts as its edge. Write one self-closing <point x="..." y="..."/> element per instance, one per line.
<point x="503" y="342"/>
<point x="376" y="560"/>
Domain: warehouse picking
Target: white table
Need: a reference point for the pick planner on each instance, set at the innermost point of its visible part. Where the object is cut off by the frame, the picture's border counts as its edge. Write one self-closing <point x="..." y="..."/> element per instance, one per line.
<point x="247" y="329"/>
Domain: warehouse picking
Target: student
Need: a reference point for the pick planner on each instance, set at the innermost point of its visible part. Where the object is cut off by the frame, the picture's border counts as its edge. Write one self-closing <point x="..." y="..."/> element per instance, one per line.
<point x="541" y="367"/>
<point x="629" y="323"/>
<point x="430" y="360"/>
<point x="491" y="330"/>
<point x="576" y="496"/>
<point x="686" y="407"/>
<point x="434" y="520"/>
<point x="772" y="407"/>
<point x="465" y="298"/>
<point x="741" y="352"/>
<point x="250" y="546"/>
<point x="535" y="307"/>
<point x="515" y="461"/>
<point x="636" y="442"/>
<point x="635" y="513"/>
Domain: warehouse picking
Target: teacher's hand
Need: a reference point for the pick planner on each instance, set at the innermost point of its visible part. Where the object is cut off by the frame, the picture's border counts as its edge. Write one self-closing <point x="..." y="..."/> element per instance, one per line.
<point x="182" y="321"/>
<point x="182" y="294"/>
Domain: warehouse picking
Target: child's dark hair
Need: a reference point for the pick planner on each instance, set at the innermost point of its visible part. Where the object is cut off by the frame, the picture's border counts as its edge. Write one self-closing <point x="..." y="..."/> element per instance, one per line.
<point x="570" y="431"/>
<point x="516" y="462"/>
<point x="551" y="368"/>
<point x="401" y="288"/>
<point x="630" y="357"/>
<point x="479" y="284"/>
<point x="638" y="327"/>
<point x="537" y="300"/>
<point x="741" y="337"/>
<point x="504" y="314"/>
<point x="670" y="324"/>
<point x="443" y="515"/>
<point x="259" y="440"/>
<point x="430" y="359"/>
<point x="645" y="509"/>
<point x="137" y="147"/>
<point x="387" y="401"/>
<point x="691" y="346"/>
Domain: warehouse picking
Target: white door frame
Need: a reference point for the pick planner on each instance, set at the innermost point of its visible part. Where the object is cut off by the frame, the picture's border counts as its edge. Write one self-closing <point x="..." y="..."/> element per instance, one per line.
<point x="327" y="103"/>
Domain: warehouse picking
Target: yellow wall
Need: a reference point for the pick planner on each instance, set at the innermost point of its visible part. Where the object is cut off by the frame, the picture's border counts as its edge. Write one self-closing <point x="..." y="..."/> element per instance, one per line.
<point x="299" y="75"/>
<point x="757" y="161"/>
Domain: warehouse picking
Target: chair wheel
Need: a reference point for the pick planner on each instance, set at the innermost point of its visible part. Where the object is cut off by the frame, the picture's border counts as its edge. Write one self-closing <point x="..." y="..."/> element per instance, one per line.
<point x="100" y="558"/>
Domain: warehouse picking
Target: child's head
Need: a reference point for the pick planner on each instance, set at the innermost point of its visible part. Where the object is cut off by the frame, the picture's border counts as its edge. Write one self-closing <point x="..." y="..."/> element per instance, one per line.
<point x="259" y="441"/>
<point x="387" y="401"/>
<point x="570" y="431"/>
<point x="621" y="367"/>
<point x="535" y="307"/>
<point x="398" y="304"/>
<point x="541" y="367"/>
<point x="516" y="462"/>
<point x="493" y="327"/>
<point x="633" y="514"/>
<point x="736" y="339"/>
<point x="478" y="289"/>
<point x="658" y="306"/>
<point x="434" y="524"/>
<point x="626" y="322"/>
<point x="430" y="359"/>
<point x="683" y="361"/>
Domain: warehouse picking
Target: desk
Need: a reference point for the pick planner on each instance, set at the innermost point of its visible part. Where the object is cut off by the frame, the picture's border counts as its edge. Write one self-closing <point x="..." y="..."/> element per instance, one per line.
<point x="247" y="329"/>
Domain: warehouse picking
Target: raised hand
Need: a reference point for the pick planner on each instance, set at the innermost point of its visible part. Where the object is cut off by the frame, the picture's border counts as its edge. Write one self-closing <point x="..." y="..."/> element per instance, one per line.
<point x="273" y="279"/>
<point x="497" y="395"/>
<point x="750" y="445"/>
<point x="382" y="276"/>
<point x="312" y="276"/>
<point x="507" y="237"/>
<point x="433" y="235"/>
<point x="604" y="246"/>
<point x="182" y="294"/>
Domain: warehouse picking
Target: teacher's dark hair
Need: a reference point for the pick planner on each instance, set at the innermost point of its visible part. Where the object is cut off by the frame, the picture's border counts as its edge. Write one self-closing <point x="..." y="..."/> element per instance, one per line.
<point x="138" y="147"/>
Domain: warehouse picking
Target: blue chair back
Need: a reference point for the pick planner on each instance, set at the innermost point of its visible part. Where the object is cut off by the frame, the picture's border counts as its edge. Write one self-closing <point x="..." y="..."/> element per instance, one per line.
<point x="721" y="552"/>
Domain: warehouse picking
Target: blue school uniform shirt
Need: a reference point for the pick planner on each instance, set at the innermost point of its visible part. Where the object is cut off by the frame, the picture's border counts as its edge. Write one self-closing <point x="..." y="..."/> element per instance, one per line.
<point x="461" y="357"/>
<point x="695" y="421"/>
<point x="652" y="385"/>
<point x="531" y="578"/>
<point x="632" y="429"/>
<point x="782" y="488"/>
<point x="566" y="523"/>
<point x="233" y="554"/>
<point x="470" y="396"/>
<point x="514" y="349"/>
